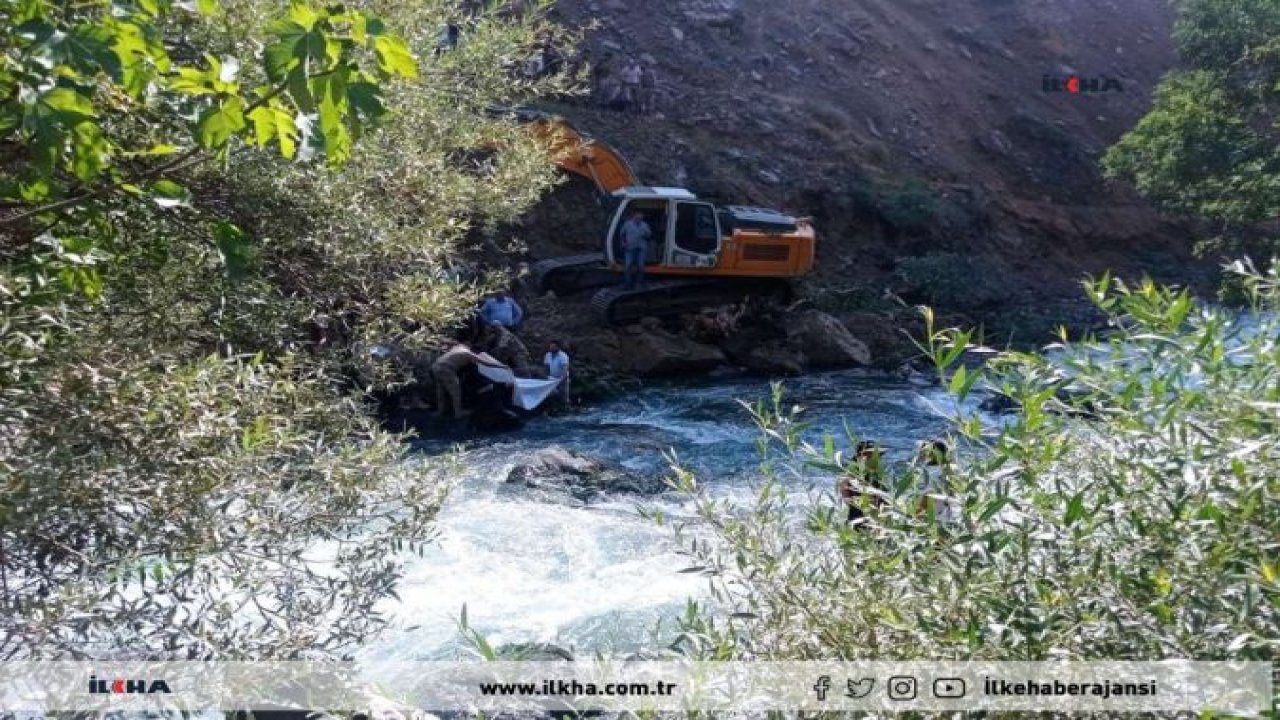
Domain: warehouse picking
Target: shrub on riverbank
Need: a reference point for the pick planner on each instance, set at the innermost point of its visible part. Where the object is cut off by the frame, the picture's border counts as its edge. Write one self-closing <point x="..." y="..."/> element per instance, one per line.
<point x="1130" y="509"/>
<point x="952" y="281"/>
<point x="210" y="212"/>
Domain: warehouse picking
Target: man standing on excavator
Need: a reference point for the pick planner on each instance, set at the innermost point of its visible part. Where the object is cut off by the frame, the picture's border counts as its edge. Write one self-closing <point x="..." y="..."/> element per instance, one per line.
<point x="635" y="245"/>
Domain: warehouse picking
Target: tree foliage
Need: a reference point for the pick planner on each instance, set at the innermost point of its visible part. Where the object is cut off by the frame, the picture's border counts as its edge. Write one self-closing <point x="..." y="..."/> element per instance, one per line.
<point x="1208" y="145"/>
<point x="209" y="214"/>
<point x="74" y="73"/>
<point x="1128" y="509"/>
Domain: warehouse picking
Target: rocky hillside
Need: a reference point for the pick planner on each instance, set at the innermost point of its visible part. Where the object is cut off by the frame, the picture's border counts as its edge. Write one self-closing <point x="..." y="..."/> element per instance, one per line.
<point x="917" y="133"/>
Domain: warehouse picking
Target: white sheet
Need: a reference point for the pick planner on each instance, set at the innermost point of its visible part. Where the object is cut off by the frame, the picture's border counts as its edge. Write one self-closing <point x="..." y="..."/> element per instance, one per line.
<point x="526" y="393"/>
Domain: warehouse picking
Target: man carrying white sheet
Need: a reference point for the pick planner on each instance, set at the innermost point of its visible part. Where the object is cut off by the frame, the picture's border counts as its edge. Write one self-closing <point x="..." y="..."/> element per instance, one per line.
<point x="445" y="373"/>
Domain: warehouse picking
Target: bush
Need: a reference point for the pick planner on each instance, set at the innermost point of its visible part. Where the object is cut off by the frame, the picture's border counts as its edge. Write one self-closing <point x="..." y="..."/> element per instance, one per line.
<point x="1129" y="510"/>
<point x="178" y="511"/>
<point x="838" y="299"/>
<point x="209" y="213"/>
<point x="910" y="207"/>
<point x="951" y="281"/>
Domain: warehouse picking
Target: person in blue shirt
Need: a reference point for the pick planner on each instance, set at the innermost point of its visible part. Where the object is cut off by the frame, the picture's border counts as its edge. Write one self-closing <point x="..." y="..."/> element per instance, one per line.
<point x="557" y="362"/>
<point x="501" y="310"/>
<point x="635" y="245"/>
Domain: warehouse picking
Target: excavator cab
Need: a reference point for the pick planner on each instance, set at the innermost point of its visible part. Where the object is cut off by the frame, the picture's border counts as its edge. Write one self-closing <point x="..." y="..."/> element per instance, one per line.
<point x="686" y="231"/>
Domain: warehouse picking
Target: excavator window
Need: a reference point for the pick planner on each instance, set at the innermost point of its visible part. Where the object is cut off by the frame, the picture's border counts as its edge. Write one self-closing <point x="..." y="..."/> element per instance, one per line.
<point x="696" y="228"/>
<point x="658" y="245"/>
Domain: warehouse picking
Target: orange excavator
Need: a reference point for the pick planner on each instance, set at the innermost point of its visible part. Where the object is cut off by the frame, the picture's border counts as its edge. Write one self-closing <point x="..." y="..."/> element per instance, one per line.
<point x="702" y="254"/>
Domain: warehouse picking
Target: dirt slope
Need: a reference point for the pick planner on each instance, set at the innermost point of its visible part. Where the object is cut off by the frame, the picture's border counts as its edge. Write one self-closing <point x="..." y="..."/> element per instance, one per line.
<point x="905" y="127"/>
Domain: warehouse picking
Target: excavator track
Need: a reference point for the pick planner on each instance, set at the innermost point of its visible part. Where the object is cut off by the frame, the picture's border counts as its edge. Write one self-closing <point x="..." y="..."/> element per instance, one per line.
<point x="572" y="274"/>
<point x="619" y="306"/>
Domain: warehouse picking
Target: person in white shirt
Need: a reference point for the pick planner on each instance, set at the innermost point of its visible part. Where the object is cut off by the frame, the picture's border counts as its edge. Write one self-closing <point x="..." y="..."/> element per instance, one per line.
<point x="557" y="362"/>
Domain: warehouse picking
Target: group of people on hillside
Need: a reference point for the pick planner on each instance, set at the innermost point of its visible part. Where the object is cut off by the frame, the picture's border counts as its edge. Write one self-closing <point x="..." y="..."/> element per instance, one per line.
<point x="546" y="58"/>
<point x="631" y="86"/>
<point x="497" y="321"/>
<point x="865" y="488"/>
<point x="634" y="87"/>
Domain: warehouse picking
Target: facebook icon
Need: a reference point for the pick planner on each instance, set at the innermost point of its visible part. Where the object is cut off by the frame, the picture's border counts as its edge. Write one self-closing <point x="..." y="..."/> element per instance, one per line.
<point x="822" y="687"/>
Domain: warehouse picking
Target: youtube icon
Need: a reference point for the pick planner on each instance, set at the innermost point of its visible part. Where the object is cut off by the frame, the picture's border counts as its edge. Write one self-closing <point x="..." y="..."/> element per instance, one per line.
<point x="948" y="688"/>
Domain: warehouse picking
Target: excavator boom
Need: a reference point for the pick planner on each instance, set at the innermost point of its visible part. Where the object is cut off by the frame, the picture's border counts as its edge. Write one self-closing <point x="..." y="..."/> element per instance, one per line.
<point x="579" y="153"/>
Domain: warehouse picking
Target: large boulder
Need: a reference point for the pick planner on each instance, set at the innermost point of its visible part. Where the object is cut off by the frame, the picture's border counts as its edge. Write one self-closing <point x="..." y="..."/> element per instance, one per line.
<point x="533" y="651"/>
<point x="650" y="351"/>
<point x="556" y="469"/>
<point x="715" y="324"/>
<point x="554" y="462"/>
<point x="774" y="359"/>
<point x="826" y="342"/>
<point x="764" y="352"/>
<point x="886" y="336"/>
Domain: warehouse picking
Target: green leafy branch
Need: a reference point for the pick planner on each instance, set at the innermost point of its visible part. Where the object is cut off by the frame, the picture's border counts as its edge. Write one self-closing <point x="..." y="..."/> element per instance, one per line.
<point x="73" y="77"/>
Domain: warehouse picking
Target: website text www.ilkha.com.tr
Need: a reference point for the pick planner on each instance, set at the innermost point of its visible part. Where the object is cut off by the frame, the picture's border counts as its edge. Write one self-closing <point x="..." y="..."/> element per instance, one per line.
<point x="574" y="688"/>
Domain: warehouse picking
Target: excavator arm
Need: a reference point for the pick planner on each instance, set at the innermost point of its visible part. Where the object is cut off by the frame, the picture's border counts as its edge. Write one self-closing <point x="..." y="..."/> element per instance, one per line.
<point x="579" y="153"/>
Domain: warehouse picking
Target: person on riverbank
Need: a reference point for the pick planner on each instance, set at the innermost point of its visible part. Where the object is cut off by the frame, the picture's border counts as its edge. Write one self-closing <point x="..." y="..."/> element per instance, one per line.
<point x="557" y="362"/>
<point x="501" y="310"/>
<point x="933" y="455"/>
<point x="863" y="486"/>
<point x="444" y="371"/>
<point x="635" y="245"/>
<point x="506" y="348"/>
<point x="932" y="462"/>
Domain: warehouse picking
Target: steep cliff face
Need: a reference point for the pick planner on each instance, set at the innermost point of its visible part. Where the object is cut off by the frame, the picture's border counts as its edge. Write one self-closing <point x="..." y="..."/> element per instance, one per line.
<point x="907" y="128"/>
<point x="931" y="141"/>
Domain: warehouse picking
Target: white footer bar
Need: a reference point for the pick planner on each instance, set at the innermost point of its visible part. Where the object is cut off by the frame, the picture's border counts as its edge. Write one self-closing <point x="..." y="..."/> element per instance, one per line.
<point x="1236" y="688"/>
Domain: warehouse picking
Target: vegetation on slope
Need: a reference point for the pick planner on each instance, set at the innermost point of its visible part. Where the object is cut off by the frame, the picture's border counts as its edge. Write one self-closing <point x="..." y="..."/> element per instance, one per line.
<point x="209" y="214"/>
<point x="1208" y="146"/>
<point x="1129" y="509"/>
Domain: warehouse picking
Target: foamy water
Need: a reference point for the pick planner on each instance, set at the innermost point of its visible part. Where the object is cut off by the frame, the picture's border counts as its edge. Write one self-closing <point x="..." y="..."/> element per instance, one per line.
<point x="600" y="578"/>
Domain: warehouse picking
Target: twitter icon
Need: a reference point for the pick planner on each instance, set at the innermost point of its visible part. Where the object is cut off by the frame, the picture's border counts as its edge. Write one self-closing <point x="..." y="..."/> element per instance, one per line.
<point x="858" y="689"/>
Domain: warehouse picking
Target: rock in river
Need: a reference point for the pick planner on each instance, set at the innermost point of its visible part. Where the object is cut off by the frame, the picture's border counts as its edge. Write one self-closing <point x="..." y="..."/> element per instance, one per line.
<point x="826" y="342"/>
<point x="584" y="478"/>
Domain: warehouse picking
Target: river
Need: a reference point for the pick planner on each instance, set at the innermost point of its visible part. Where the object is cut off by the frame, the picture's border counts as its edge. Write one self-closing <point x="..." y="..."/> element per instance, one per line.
<point x="599" y="578"/>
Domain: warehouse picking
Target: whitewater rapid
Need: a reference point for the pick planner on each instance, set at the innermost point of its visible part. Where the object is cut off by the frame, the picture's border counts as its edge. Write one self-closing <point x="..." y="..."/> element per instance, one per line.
<point x="600" y="578"/>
